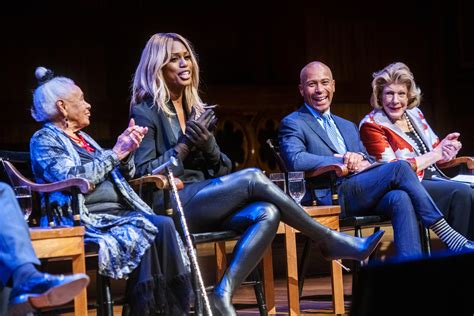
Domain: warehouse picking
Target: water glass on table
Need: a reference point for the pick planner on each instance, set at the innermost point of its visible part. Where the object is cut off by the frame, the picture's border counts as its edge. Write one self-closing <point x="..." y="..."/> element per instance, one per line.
<point x="296" y="185"/>
<point x="279" y="180"/>
<point x="23" y="195"/>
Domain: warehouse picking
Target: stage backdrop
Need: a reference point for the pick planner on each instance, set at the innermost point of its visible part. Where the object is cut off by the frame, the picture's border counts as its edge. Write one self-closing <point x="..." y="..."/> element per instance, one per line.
<point x="250" y="59"/>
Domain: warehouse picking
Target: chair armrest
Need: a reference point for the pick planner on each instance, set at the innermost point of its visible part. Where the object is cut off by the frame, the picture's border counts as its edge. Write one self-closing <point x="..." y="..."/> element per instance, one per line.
<point x="160" y="181"/>
<point x="340" y="170"/>
<point x="469" y="161"/>
<point x="16" y="177"/>
<point x="82" y="184"/>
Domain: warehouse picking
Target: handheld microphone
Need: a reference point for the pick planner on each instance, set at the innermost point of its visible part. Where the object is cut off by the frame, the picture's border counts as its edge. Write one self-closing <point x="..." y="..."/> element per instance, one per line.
<point x="160" y="169"/>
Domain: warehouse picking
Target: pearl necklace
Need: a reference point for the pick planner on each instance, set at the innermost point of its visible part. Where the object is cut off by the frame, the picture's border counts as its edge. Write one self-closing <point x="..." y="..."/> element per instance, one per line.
<point x="424" y="149"/>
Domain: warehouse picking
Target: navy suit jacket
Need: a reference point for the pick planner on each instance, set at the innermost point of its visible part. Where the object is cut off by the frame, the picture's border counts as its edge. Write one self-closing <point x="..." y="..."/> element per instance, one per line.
<point x="305" y="145"/>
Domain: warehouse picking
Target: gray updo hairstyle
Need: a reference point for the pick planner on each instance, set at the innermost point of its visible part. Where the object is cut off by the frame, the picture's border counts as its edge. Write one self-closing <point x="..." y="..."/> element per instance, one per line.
<point x="49" y="90"/>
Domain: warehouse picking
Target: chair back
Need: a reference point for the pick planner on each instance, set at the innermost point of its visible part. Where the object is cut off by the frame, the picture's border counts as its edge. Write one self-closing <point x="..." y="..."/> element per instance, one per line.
<point x="22" y="163"/>
<point x="15" y="177"/>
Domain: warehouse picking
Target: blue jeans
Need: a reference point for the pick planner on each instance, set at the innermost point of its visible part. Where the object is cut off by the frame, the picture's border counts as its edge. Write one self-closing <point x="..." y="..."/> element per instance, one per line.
<point x="394" y="190"/>
<point x="15" y="243"/>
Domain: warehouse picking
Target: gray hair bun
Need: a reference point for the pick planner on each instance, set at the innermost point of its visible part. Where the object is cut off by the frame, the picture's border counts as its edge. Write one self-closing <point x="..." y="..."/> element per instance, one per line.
<point x="43" y="75"/>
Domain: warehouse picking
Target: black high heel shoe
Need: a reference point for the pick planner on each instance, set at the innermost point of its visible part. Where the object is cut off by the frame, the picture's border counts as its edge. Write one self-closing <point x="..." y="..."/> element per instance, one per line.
<point x="338" y="245"/>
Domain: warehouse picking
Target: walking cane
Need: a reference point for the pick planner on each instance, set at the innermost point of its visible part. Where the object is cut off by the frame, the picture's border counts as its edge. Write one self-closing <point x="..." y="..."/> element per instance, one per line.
<point x="179" y="208"/>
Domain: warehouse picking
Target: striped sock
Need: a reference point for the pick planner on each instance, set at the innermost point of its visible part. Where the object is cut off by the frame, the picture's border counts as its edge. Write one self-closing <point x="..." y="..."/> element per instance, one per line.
<point x="454" y="240"/>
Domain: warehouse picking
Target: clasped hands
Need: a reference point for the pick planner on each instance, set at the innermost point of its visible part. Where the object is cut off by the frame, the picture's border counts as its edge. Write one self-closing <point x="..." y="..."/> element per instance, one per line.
<point x="198" y="131"/>
<point x="354" y="162"/>
<point x="129" y="140"/>
<point x="448" y="147"/>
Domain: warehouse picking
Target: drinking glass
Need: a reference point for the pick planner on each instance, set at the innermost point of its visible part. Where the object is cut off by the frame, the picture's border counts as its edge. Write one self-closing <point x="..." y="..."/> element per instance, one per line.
<point x="296" y="185"/>
<point x="279" y="180"/>
<point x="23" y="195"/>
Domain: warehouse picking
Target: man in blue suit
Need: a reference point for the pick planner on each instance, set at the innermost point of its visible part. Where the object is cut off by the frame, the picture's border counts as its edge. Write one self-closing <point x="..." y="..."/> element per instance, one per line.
<point x="31" y="289"/>
<point x="312" y="137"/>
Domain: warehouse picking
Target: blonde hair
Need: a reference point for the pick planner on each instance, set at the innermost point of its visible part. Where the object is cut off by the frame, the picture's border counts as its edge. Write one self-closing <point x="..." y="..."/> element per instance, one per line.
<point x="397" y="73"/>
<point x="49" y="91"/>
<point x="149" y="81"/>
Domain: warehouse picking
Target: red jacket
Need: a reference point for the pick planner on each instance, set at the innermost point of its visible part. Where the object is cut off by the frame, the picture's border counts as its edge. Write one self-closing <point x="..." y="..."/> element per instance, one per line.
<point x="387" y="142"/>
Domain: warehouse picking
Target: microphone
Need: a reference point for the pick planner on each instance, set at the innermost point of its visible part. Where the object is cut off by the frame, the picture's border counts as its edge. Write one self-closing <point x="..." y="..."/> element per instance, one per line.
<point x="160" y="169"/>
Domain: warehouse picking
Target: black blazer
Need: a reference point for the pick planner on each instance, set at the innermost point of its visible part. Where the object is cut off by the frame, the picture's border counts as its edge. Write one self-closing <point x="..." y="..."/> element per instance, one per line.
<point x="157" y="147"/>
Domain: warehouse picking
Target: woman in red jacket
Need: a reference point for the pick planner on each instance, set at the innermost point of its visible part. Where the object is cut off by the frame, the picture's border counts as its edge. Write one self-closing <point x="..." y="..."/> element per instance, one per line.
<point x="397" y="129"/>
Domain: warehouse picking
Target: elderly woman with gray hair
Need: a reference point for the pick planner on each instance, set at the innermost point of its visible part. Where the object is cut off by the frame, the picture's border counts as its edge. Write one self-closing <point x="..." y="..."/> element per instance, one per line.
<point x="397" y="130"/>
<point x="134" y="243"/>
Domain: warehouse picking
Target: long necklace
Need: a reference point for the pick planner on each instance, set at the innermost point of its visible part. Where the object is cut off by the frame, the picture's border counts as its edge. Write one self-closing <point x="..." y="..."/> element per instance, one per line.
<point x="423" y="149"/>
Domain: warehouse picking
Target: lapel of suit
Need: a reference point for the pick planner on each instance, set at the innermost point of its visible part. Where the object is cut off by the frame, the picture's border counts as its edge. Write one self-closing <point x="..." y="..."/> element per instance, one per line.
<point x="168" y="131"/>
<point x="311" y="121"/>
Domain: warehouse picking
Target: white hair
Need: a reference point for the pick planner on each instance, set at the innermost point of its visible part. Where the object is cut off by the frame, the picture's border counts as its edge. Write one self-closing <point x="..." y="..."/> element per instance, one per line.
<point x="47" y="93"/>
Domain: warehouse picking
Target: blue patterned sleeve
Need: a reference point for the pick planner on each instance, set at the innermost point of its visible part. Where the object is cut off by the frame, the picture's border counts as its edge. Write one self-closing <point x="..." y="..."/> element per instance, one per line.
<point x="51" y="158"/>
<point x="127" y="167"/>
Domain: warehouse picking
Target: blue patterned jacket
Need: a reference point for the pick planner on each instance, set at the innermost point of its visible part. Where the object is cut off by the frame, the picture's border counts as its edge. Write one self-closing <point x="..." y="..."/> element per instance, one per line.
<point x="122" y="239"/>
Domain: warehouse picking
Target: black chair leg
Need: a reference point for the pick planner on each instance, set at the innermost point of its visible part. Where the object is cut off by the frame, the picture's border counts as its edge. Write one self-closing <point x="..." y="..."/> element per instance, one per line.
<point x="198" y="301"/>
<point x="374" y="253"/>
<point x="306" y="256"/>
<point x="100" y="298"/>
<point x="258" y="288"/>
<point x="425" y="240"/>
<point x="126" y="310"/>
<point x="105" y="304"/>
<point x="357" y="264"/>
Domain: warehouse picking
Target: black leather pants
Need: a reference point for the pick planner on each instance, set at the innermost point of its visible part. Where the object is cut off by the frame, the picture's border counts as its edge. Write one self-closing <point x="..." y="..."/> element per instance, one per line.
<point x="248" y="201"/>
<point x="229" y="203"/>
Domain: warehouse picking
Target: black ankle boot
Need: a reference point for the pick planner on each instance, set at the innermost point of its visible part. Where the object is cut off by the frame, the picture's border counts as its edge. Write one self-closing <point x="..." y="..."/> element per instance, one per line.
<point x="221" y="305"/>
<point x="338" y="245"/>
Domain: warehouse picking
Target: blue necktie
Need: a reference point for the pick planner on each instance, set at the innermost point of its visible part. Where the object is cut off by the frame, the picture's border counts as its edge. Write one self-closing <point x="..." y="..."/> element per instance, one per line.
<point x="331" y="130"/>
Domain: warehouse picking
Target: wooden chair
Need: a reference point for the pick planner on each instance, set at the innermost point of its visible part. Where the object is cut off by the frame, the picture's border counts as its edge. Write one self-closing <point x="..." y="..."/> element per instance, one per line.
<point x="105" y="301"/>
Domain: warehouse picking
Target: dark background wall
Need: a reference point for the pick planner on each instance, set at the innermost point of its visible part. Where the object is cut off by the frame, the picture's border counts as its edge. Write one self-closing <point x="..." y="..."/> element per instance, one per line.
<point x="250" y="58"/>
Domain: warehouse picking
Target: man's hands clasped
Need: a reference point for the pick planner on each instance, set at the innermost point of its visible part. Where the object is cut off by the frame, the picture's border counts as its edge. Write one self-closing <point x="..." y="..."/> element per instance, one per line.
<point x="354" y="162"/>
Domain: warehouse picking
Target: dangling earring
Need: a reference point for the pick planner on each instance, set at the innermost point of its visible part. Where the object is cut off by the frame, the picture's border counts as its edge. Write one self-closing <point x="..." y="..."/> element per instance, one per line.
<point x="66" y="122"/>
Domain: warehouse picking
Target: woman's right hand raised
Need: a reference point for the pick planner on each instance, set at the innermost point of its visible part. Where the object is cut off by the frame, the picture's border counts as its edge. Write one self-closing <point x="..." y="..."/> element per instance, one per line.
<point x="129" y="140"/>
